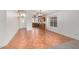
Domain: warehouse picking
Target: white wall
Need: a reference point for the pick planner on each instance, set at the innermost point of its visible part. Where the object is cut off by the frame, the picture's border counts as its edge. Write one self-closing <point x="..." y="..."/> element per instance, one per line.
<point x="2" y="27"/>
<point x="26" y="22"/>
<point x="22" y="22"/>
<point x="29" y="20"/>
<point x="8" y="26"/>
<point x="68" y="23"/>
<point x="12" y="25"/>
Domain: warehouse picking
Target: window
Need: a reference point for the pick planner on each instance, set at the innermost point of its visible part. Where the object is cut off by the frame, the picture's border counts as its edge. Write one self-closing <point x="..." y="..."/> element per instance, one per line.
<point x="53" y="21"/>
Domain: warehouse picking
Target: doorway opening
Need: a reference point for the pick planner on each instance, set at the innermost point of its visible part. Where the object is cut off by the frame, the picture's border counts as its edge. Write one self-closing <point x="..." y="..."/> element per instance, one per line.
<point x="38" y="22"/>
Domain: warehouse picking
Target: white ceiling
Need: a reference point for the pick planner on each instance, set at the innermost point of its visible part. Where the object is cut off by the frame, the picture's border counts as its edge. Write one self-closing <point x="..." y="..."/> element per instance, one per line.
<point x="43" y="11"/>
<point x="34" y="12"/>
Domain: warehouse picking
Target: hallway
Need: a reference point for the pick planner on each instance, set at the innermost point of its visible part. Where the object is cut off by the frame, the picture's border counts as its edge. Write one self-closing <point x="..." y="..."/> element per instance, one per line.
<point x="36" y="38"/>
